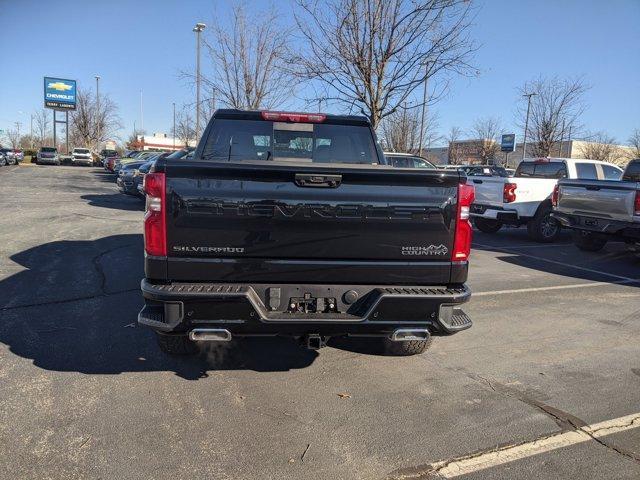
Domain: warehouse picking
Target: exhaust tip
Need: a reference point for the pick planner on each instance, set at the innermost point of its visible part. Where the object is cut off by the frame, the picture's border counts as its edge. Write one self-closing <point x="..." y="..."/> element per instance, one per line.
<point x="210" y="335"/>
<point x="409" y="334"/>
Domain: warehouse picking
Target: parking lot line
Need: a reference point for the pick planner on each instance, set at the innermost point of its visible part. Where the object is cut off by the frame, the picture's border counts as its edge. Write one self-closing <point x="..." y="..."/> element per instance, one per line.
<point x="553" y="287"/>
<point x="499" y="456"/>
<point x="556" y="262"/>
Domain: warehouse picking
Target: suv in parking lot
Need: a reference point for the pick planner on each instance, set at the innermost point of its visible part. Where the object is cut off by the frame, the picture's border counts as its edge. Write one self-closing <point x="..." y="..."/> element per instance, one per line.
<point x="294" y="224"/>
<point x="48" y="155"/>
<point x="81" y="156"/>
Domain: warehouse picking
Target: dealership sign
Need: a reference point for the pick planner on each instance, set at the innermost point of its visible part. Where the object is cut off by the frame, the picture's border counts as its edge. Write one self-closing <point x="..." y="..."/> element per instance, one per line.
<point x="59" y="93"/>
<point x="508" y="143"/>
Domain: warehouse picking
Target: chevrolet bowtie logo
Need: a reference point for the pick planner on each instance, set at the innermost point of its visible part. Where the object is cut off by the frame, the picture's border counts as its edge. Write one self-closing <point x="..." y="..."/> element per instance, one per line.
<point x="59" y="86"/>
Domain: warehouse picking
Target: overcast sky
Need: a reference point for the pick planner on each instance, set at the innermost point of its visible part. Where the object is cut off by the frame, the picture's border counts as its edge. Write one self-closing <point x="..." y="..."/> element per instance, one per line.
<point x="145" y="44"/>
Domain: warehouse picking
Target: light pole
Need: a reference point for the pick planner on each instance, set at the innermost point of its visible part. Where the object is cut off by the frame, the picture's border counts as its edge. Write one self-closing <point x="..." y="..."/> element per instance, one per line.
<point x="174" y="125"/>
<point x="199" y="27"/>
<point x="526" y="123"/>
<point x="98" y="112"/>
<point x="424" y="103"/>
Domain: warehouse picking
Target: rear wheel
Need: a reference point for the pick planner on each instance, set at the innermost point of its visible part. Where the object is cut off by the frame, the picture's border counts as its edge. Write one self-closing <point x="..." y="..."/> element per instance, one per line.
<point x="588" y="242"/>
<point x="487" y="225"/>
<point x="405" y="349"/>
<point x="176" y="344"/>
<point x="543" y="228"/>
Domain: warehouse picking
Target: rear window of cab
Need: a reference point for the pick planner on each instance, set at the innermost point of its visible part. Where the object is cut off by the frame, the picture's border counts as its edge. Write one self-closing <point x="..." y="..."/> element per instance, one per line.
<point x="247" y="140"/>
<point x="542" y="170"/>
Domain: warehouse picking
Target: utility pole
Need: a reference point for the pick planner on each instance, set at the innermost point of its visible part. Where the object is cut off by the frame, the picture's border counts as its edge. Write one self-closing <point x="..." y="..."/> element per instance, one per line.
<point x="31" y="134"/>
<point x="424" y="104"/>
<point x="98" y="119"/>
<point x="561" y="139"/>
<point x="174" y="125"/>
<point x="198" y="28"/>
<point x="526" y="123"/>
<point x="213" y="100"/>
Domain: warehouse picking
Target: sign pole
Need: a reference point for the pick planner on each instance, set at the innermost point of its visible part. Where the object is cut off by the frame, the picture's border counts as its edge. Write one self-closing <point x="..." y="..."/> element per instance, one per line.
<point x="54" y="130"/>
<point x="66" y="130"/>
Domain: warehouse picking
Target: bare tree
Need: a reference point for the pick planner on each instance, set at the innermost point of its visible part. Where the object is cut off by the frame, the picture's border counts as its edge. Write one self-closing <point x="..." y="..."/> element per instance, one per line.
<point x="401" y="131"/>
<point x="600" y="146"/>
<point x="13" y="137"/>
<point x="557" y="102"/>
<point x="487" y="130"/>
<point x="92" y="124"/>
<point x="185" y="126"/>
<point x="41" y="118"/>
<point x="453" y="138"/>
<point x="373" y="54"/>
<point x="247" y="58"/>
<point x="634" y="144"/>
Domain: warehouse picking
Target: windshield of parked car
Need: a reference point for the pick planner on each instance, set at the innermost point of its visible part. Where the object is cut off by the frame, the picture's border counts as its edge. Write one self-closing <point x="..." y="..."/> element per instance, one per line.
<point x="245" y="140"/>
<point x="48" y="149"/>
<point x="81" y="150"/>
<point x="542" y="169"/>
<point x="178" y="154"/>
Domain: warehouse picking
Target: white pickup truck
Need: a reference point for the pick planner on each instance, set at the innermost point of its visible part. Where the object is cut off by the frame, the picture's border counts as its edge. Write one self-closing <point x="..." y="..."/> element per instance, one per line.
<point x="525" y="197"/>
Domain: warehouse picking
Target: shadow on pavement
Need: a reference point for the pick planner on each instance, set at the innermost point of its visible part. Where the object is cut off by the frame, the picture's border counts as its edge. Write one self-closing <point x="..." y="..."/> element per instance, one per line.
<point x="613" y="263"/>
<point x="116" y="201"/>
<point x="74" y="309"/>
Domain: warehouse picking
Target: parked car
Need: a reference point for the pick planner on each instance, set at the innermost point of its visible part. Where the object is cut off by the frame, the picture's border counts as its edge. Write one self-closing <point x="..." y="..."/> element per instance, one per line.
<point x="525" y="198"/>
<point x="48" y="156"/>
<point x="138" y="177"/>
<point x="3" y="159"/>
<point x="125" y="178"/>
<point x="407" y="160"/>
<point x="274" y="233"/>
<point x="9" y="155"/>
<point x="147" y="156"/>
<point x="81" y="156"/>
<point x="19" y="155"/>
<point x="601" y="210"/>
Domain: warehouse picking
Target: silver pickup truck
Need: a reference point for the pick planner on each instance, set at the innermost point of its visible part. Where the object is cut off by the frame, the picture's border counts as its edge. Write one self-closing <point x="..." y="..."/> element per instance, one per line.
<point x="601" y="210"/>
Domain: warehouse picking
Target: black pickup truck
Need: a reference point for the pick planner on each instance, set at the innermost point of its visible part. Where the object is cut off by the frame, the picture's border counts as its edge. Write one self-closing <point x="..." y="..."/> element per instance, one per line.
<point x="292" y="224"/>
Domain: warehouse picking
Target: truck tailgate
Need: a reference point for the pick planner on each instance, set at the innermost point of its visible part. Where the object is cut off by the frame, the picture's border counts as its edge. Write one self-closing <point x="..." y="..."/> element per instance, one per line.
<point x="244" y="222"/>
<point x="610" y="199"/>
<point x="489" y="190"/>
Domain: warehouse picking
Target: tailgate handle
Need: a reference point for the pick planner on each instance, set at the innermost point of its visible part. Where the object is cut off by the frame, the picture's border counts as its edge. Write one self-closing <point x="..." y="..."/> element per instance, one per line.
<point x="477" y="181"/>
<point x="313" y="180"/>
<point x="592" y="187"/>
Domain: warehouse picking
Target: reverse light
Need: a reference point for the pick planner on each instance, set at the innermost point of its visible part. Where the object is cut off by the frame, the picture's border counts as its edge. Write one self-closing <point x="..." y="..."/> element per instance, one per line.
<point x="464" y="231"/>
<point x="509" y="192"/>
<point x="155" y="226"/>
<point x="294" y="117"/>
<point x="636" y="203"/>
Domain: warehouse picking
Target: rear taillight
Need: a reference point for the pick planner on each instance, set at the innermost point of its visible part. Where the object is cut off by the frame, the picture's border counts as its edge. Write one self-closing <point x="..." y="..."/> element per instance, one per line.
<point x="555" y="195"/>
<point x="636" y="203"/>
<point x="462" y="239"/>
<point x="509" y="192"/>
<point x="294" y="117"/>
<point x="155" y="226"/>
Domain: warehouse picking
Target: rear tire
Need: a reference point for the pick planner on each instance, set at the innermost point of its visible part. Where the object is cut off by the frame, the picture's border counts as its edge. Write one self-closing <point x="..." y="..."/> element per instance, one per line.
<point x="176" y="344"/>
<point x="486" y="225"/>
<point x="588" y="242"/>
<point x="405" y="349"/>
<point x="543" y="228"/>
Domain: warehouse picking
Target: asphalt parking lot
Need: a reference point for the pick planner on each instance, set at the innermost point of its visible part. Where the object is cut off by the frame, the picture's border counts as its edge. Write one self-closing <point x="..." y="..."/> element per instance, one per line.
<point x="554" y="353"/>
